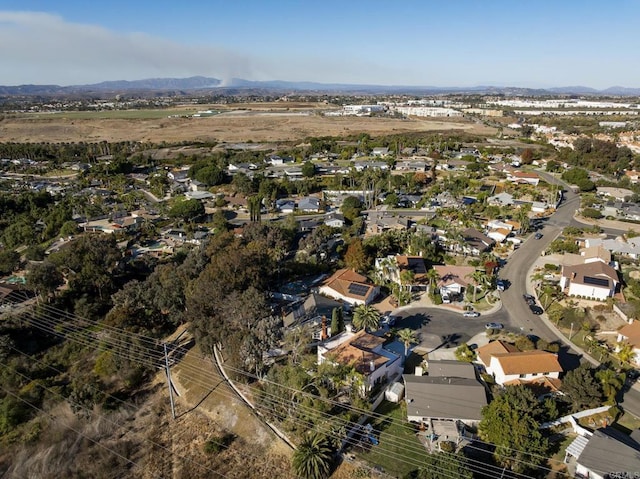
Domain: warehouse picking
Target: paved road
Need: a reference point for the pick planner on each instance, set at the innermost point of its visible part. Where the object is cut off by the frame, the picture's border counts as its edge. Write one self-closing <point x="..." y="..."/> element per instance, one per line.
<point x="439" y="327"/>
<point x="442" y="328"/>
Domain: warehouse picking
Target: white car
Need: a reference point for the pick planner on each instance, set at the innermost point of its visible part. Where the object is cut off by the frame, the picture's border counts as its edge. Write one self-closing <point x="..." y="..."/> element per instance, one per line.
<point x="470" y="314"/>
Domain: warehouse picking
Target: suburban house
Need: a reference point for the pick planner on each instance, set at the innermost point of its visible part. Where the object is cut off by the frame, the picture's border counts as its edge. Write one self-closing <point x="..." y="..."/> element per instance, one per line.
<point x="309" y="204"/>
<point x="475" y="243"/>
<point x="593" y="280"/>
<point x="501" y="199"/>
<point x="312" y="308"/>
<point x="499" y="235"/>
<point x="619" y="194"/>
<point x="634" y="176"/>
<point x="451" y="392"/>
<point x="380" y="151"/>
<point x="515" y="367"/>
<point x="524" y="177"/>
<point x="628" y="247"/>
<point x="285" y="206"/>
<point x="366" y="353"/>
<point x="348" y="286"/>
<point x="334" y="220"/>
<point x="605" y="454"/>
<point x="380" y="221"/>
<point x="180" y="176"/>
<point x="631" y="334"/>
<point x="276" y="160"/>
<point x="391" y="268"/>
<point x="453" y="280"/>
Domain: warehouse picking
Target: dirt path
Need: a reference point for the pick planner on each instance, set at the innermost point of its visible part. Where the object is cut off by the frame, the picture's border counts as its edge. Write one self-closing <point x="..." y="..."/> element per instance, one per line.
<point x="201" y="388"/>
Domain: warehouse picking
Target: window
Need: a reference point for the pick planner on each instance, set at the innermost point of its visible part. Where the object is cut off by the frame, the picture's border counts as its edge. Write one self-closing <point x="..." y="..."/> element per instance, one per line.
<point x="522" y="376"/>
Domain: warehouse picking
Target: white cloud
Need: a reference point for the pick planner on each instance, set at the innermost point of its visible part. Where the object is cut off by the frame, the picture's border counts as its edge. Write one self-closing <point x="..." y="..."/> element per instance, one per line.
<point x="41" y="48"/>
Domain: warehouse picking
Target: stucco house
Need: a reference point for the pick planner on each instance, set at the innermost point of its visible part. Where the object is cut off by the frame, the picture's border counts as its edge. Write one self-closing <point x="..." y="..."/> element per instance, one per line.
<point x="391" y="268"/>
<point x="453" y="279"/>
<point x="593" y="280"/>
<point x="366" y="353"/>
<point x="450" y="392"/>
<point x="521" y="366"/>
<point x="631" y="334"/>
<point x="348" y="286"/>
<point x="606" y="454"/>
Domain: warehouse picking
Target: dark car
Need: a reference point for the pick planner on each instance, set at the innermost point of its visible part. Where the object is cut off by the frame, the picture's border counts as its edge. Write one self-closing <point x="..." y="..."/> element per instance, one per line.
<point x="536" y="309"/>
<point x="537" y="235"/>
<point x="529" y="299"/>
<point x="494" y="326"/>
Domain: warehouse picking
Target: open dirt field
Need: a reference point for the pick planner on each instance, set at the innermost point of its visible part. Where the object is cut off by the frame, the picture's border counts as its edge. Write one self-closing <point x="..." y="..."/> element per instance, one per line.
<point x="264" y="124"/>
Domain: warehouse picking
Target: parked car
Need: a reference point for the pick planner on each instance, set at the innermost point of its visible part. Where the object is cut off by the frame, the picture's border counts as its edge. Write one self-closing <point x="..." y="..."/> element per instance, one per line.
<point x="388" y="320"/>
<point x="500" y="285"/>
<point x="535" y="309"/>
<point x="529" y="299"/>
<point x="494" y="325"/>
<point x="537" y="235"/>
<point x="470" y="314"/>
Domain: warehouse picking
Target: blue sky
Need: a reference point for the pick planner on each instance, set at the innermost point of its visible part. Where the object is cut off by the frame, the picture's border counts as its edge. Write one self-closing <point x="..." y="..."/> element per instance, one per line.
<point x="439" y="43"/>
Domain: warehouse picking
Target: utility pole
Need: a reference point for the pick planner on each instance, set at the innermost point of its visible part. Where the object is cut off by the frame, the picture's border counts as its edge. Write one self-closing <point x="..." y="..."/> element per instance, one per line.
<point x="168" y="371"/>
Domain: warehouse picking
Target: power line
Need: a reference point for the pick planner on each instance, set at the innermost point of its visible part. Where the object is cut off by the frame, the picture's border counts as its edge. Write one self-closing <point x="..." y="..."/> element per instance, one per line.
<point x="52" y="325"/>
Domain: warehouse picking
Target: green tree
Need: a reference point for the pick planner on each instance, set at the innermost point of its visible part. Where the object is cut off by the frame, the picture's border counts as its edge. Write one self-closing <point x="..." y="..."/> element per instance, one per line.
<point x="366" y="317"/>
<point x="355" y="257"/>
<point x="611" y="383"/>
<point x="187" y="210"/>
<point x="308" y="170"/>
<point x="210" y="175"/>
<point x="351" y="208"/>
<point x="465" y="353"/>
<point x="45" y="278"/>
<point x="479" y="277"/>
<point x="445" y="465"/>
<point x="511" y="421"/>
<point x="582" y="388"/>
<point x="406" y="337"/>
<point x="625" y="352"/>
<point x="9" y="261"/>
<point x="312" y="458"/>
<point x="337" y="321"/>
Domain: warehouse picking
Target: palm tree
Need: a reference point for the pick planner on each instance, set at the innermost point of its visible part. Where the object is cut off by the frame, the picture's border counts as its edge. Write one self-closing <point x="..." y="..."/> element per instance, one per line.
<point x="407" y="277"/>
<point x="406" y="337"/>
<point x="432" y="276"/>
<point x="625" y="352"/>
<point x="611" y="382"/>
<point x="312" y="458"/>
<point x="366" y="317"/>
<point x="479" y="277"/>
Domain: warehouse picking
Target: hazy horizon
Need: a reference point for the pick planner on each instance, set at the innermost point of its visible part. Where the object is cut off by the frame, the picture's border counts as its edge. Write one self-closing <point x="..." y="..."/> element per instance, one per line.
<point x="541" y="45"/>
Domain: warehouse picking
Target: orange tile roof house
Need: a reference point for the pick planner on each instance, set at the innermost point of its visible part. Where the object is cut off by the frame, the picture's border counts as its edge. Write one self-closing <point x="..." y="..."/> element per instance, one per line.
<point x="364" y="351"/>
<point x="494" y="347"/>
<point x="524" y="177"/>
<point x="524" y="365"/>
<point x="631" y="334"/>
<point x="350" y="287"/>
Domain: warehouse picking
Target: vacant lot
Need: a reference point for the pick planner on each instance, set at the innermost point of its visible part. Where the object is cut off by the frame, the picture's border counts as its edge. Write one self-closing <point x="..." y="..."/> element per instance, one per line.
<point x="247" y="123"/>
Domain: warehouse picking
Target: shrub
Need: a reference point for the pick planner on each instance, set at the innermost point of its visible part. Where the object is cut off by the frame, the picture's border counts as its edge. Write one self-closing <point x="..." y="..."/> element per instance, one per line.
<point x="218" y="443"/>
<point x="437" y="299"/>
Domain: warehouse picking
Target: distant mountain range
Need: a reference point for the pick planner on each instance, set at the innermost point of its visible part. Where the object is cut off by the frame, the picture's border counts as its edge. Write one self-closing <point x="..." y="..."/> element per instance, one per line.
<point x="183" y="86"/>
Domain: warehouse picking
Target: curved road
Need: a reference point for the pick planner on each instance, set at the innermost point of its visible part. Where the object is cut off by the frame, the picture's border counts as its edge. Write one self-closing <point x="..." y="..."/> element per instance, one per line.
<point x="441" y="328"/>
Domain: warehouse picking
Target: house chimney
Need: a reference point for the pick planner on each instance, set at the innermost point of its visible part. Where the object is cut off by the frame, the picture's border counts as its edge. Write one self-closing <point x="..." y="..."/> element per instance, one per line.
<point x="372" y="366"/>
<point x="323" y="335"/>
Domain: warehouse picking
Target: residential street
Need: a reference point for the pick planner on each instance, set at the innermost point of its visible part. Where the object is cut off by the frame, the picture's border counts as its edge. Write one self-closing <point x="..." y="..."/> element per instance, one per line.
<point x="444" y="327"/>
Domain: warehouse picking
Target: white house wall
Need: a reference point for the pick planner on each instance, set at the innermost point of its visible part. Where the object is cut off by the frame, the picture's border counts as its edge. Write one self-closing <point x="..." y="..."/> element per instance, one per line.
<point x="589" y="291"/>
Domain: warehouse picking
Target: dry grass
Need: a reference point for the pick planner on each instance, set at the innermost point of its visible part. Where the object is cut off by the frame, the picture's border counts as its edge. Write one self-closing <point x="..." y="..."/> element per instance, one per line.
<point x="255" y="122"/>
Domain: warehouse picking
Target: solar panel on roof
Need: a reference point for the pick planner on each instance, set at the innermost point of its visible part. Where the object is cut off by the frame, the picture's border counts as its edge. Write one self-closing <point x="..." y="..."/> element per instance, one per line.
<point x="358" y="289"/>
<point x="596" y="281"/>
